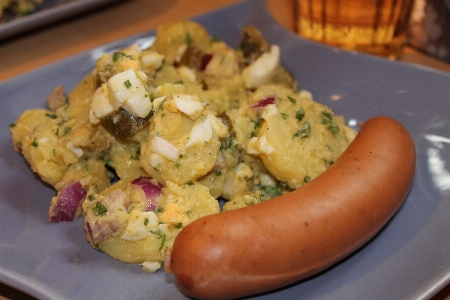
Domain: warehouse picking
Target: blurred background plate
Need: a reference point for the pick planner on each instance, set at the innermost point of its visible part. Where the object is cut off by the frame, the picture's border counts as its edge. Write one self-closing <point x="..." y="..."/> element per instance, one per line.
<point x="49" y="12"/>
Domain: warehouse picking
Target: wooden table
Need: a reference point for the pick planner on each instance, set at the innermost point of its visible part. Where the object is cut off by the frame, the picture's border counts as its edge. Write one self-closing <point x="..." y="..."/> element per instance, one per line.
<point x="121" y="20"/>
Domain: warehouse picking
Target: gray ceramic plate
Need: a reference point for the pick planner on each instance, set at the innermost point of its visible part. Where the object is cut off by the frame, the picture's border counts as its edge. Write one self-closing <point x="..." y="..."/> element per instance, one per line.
<point x="49" y="12"/>
<point x="408" y="259"/>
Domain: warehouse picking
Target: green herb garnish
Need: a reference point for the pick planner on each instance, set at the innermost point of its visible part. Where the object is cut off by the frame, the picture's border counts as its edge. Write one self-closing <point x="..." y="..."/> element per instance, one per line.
<point x="327" y="120"/>
<point x="99" y="209"/>
<point x="163" y="242"/>
<point x="188" y="39"/>
<point x="51" y="116"/>
<point x="35" y="143"/>
<point x="119" y="55"/>
<point x="300" y="114"/>
<point x="304" y="131"/>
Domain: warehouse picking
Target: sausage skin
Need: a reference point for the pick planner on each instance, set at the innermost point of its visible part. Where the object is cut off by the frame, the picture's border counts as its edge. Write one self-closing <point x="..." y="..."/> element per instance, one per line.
<point x="291" y="237"/>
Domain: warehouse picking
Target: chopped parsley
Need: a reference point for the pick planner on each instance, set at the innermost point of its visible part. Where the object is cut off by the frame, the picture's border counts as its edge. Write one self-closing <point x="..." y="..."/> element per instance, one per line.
<point x="119" y="55"/>
<point x="270" y="191"/>
<point x="228" y="143"/>
<point x="163" y="242"/>
<point x="292" y="100"/>
<point x="51" y="116"/>
<point x="127" y="84"/>
<point x="300" y="114"/>
<point x="327" y="120"/>
<point x="99" y="209"/>
<point x="304" y="131"/>
<point x="256" y="124"/>
<point x="285" y="184"/>
<point x="188" y="39"/>
<point x="67" y="130"/>
<point x="284" y="116"/>
<point x="34" y="143"/>
<point x="137" y="154"/>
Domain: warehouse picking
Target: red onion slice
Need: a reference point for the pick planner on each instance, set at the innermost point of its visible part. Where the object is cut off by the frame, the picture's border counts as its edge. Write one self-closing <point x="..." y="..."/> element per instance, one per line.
<point x="65" y="206"/>
<point x="101" y="227"/>
<point x="264" y="102"/>
<point x="151" y="189"/>
<point x="205" y="61"/>
<point x="101" y="231"/>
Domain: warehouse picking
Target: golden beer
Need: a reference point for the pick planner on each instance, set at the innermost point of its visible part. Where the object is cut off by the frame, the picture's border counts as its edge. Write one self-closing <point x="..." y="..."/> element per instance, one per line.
<point x="373" y="26"/>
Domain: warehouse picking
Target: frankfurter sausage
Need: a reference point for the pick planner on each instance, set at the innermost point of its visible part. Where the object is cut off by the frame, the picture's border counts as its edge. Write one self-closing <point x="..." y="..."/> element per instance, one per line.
<point x="291" y="237"/>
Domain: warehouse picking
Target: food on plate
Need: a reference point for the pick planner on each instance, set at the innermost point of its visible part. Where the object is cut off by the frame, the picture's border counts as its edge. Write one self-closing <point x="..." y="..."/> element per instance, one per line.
<point x="299" y="234"/>
<point x="18" y="7"/>
<point x="154" y="140"/>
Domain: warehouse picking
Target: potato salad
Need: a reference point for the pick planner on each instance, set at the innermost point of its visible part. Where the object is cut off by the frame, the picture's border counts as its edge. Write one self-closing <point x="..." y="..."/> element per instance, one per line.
<point x="153" y="139"/>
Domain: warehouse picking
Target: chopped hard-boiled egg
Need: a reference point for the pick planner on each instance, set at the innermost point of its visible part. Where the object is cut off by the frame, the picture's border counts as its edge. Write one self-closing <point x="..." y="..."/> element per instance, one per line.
<point x="189" y="105"/>
<point x="201" y="132"/>
<point x="126" y="89"/>
<point x="100" y="105"/>
<point x="259" y="146"/>
<point x="269" y="110"/>
<point x="164" y="148"/>
<point x="77" y="151"/>
<point x="263" y="69"/>
<point x="152" y="59"/>
<point x="140" y="225"/>
<point x="151" y="266"/>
